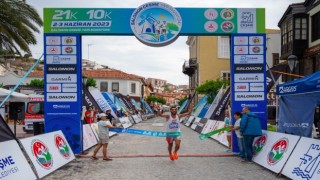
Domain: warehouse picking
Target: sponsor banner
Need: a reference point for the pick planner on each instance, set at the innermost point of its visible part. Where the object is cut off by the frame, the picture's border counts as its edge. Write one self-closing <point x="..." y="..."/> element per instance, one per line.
<point x="304" y="161"/>
<point x="62" y="97"/>
<point x="241" y="40"/>
<point x="125" y="122"/>
<point x="256" y="40"/>
<point x="248" y="68"/>
<point x="257" y="87"/>
<point x="48" y="152"/>
<point x="199" y="106"/>
<point x="61" y="78"/>
<point x="249" y="77"/>
<point x="95" y="130"/>
<point x="66" y="50"/>
<point x="5" y="131"/>
<point x="53" y="40"/>
<point x="222" y="136"/>
<point x="219" y="112"/>
<point x="201" y="125"/>
<point x="248" y="59"/>
<point x="273" y="149"/>
<point x="13" y="164"/>
<point x="88" y="99"/>
<point x="53" y="87"/>
<point x="256" y="50"/>
<point x="190" y="120"/>
<point x="69" y="87"/>
<point x="204" y="136"/>
<point x="110" y="20"/>
<point x="281" y="68"/>
<point x="136" y="119"/>
<point x="108" y="97"/>
<point x="214" y="103"/>
<point x="241" y="86"/>
<point x="61" y="106"/>
<point x="241" y="50"/>
<point x="249" y="96"/>
<point x="195" y="123"/>
<point x="53" y="49"/>
<point x="61" y="59"/>
<point x="101" y="101"/>
<point x="69" y="40"/>
<point x="88" y="137"/>
<point x="61" y="69"/>
<point x="208" y="127"/>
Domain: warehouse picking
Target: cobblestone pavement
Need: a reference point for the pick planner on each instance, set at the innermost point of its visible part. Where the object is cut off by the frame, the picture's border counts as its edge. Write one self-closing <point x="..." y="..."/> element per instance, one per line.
<point x="158" y="165"/>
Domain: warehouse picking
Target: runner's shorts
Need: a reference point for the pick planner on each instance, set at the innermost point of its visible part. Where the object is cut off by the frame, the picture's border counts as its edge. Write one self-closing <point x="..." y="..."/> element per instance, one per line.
<point x="171" y="139"/>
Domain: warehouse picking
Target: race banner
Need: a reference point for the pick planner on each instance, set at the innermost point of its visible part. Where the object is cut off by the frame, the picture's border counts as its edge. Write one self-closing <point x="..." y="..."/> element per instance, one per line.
<point x="204" y="136"/>
<point x="5" y="131"/>
<point x="101" y="101"/>
<point x="276" y="72"/>
<point x="219" y="113"/>
<point x="214" y="103"/>
<point x="145" y="132"/>
<point x="110" y="101"/>
<point x="199" y="106"/>
<point x="89" y="100"/>
<point x="201" y="125"/>
<point x="208" y="127"/>
<point x="221" y="136"/>
<point x="13" y="164"/>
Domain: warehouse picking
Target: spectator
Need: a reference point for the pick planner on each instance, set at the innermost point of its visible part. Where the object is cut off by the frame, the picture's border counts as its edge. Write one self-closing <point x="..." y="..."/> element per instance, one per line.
<point x="228" y="123"/>
<point x="236" y="129"/>
<point x="89" y="115"/>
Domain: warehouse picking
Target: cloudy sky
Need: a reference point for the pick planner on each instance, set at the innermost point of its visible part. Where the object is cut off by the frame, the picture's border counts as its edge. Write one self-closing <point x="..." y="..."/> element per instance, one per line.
<point x="126" y="53"/>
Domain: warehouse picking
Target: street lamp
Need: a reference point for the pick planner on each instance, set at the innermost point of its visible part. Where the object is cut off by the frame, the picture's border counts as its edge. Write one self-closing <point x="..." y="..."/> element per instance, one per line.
<point x="292" y="62"/>
<point x="88" y="50"/>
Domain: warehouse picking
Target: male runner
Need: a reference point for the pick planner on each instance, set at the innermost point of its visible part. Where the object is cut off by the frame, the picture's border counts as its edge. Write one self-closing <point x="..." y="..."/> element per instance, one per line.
<point x="173" y="125"/>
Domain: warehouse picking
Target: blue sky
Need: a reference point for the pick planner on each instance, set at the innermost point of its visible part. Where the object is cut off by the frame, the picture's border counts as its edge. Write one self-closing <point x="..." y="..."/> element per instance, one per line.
<point x="126" y="53"/>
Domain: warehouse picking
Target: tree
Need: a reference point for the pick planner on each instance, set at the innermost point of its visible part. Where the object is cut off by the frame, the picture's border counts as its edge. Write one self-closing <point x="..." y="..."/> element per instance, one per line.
<point x="154" y="99"/>
<point x="18" y="23"/>
<point x="211" y="88"/>
<point x="91" y="82"/>
<point x="37" y="83"/>
<point x="166" y="88"/>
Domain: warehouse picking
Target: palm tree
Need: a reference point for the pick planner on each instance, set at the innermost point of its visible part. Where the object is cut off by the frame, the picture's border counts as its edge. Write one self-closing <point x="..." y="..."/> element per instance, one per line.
<point x="18" y="22"/>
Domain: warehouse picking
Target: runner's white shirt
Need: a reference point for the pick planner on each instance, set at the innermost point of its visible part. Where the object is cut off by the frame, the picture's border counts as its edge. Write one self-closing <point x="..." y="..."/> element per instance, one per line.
<point x="173" y="124"/>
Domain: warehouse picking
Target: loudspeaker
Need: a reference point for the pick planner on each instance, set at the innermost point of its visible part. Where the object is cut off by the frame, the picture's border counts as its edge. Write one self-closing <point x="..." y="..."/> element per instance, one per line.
<point x="16" y="110"/>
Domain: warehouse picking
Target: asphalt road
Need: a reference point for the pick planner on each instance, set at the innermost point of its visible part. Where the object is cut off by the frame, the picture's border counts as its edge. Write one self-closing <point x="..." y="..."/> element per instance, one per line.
<point x="142" y="157"/>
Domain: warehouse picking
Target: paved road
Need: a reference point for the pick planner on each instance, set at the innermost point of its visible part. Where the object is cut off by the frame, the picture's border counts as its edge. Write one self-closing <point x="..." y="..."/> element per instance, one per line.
<point x="158" y="165"/>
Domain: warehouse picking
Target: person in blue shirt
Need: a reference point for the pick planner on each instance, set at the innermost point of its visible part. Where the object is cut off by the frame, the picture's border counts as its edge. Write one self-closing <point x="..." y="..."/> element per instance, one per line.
<point x="250" y="127"/>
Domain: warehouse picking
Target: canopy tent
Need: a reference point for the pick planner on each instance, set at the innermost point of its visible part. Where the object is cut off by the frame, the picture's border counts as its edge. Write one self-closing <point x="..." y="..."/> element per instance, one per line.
<point x="297" y="103"/>
<point x="15" y="96"/>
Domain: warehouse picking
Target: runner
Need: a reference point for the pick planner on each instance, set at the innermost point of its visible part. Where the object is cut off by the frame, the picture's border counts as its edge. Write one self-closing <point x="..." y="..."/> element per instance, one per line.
<point x="173" y="125"/>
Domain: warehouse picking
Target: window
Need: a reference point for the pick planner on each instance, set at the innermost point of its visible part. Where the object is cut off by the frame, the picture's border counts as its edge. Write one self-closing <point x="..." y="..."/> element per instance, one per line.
<point x="225" y="75"/>
<point x="115" y="87"/>
<point x="315" y="27"/>
<point x="133" y="88"/>
<point x="275" y="58"/>
<point x="103" y="86"/>
<point x="300" y="31"/>
<point x="223" y="47"/>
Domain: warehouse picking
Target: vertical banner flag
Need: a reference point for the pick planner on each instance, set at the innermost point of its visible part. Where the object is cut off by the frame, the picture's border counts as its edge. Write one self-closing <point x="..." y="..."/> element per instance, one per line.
<point x="248" y="62"/>
<point x="89" y="100"/>
<point x="275" y="71"/>
<point x="5" y="131"/>
<point x="214" y="103"/>
<point x="101" y="101"/>
<point x="218" y="114"/>
<point x="63" y="87"/>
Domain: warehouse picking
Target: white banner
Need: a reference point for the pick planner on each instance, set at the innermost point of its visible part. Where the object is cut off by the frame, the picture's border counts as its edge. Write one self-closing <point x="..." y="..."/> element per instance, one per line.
<point x="195" y="123"/>
<point x="95" y="130"/>
<point x="48" y="152"/>
<point x="125" y="122"/>
<point x="214" y="104"/>
<point x="208" y="127"/>
<point x="272" y="149"/>
<point x="136" y="119"/>
<point x="304" y="162"/>
<point x="13" y="164"/>
<point x="101" y="101"/>
<point x="221" y="137"/>
<point x="190" y="120"/>
<point x="88" y="137"/>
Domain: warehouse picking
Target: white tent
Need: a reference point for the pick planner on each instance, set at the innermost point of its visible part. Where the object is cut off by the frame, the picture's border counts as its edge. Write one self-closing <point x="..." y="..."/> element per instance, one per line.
<point x="15" y="96"/>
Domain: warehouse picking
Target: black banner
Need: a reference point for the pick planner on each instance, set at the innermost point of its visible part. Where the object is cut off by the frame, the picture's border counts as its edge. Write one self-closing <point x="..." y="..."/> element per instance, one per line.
<point x="248" y="68"/>
<point x="201" y="125"/>
<point x="218" y="113"/>
<point x="281" y="68"/>
<point x="126" y="101"/>
<point x="88" y="99"/>
<point x="5" y="132"/>
<point x="61" y="69"/>
<point x="186" y="107"/>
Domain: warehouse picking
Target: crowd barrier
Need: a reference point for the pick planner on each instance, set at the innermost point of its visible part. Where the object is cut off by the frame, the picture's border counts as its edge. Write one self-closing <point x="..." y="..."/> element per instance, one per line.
<point x="47" y="152"/>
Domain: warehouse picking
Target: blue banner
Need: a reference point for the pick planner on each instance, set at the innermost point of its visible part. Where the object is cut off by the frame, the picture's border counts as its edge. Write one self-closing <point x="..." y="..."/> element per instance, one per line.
<point x="183" y="105"/>
<point x="145" y="132"/>
<point x="204" y="110"/>
<point x="63" y="87"/>
<point x="109" y="100"/>
<point x="135" y="104"/>
<point x="200" y="105"/>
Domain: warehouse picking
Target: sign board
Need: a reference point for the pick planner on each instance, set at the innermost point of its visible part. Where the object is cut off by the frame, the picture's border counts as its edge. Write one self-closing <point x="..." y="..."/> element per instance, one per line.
<point x="208" y="127"/>
<point x="274" y="149"/>
<point x="125" y="122"/>
<point x="201" y="125"/>
<point x="195" y="123"/>
<point x="89" y="138"/>
<point x="48" y="152"/>
<point x="304" y="162"/>
<point x="220" y="137"/>
<point x="136" y="118"/>
<point x="13" y="164"/>
<point x="190" y="120"/>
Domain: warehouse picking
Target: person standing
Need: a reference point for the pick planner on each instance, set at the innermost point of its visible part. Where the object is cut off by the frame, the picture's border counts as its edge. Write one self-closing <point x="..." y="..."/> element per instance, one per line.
<point x="173" y="125"/>
<point x="89" y="115"/>
<point x="236" y="129"/>
<point x="228" y="123"/>
<point x="103" y="128"/>
<point x="250" y="127"/>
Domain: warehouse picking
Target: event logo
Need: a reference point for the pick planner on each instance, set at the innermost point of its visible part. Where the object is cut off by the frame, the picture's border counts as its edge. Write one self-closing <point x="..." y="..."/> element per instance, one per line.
<point x="41" y="152"/>
<point x="241" y="50"/>
<point x="256" y="40"/>
<point x="277" y="151"/>
<point x="309" y="164"/>
<point x="156" y="23"/>
<point x="258" y="144"/>
<point x="68" y="50"/>
<point x="227" y="14"/>
<point x="288" y="89"/>
<point x="211" y="26"/>
<point x="69" y="40"/>
<point x="227" y="26"/>
<point x="256" y="49"/>
<point x="62" y="146"/>
<point x="211" y="14"/>
<point x="249" y="105"/>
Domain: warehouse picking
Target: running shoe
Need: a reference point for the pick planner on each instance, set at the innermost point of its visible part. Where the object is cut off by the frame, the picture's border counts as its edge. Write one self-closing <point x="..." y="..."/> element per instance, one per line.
<point x="175" y="156"/>
<point x="171" y="157"/>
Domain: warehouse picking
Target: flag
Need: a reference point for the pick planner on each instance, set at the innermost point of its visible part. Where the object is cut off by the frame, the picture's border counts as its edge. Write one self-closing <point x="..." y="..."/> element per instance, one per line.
<point x="88" y="99"/>
<point x="281" y="68"/>
<point x="214" y="103"/>
<point x="218" y="114"/>
<point x="5" y="132"/>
